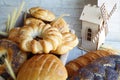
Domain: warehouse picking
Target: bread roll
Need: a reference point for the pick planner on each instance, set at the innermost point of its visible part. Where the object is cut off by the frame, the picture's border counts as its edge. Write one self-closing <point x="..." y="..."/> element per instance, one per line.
<point x="14" y="55"/>
<point x="69" y="41"/>
<point x="33" y="21"/>
<point x="43" y="39"/>
<point x="39" y="39"/>
<point x="42" y="67"/>
<point x="14" y="34"/>
<point x="84" y="60"/>
<point x="42" y="14"/>
<point x="104" y="68"/>
<point x="61" y="25"/>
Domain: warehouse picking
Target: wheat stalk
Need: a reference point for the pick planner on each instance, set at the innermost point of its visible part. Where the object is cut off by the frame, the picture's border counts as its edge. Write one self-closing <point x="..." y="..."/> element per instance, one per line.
<point x="8" y="23"/>
<point x="3" y="33"/>
<point x="25" y="16"/>
<point x="12" y="19"/>
<point x="15" y="15"/>
<point x="10" y="70"/>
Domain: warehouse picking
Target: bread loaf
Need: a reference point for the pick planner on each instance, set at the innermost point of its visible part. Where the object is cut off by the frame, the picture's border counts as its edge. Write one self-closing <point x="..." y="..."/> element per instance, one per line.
<point x="74" y="65"/>
<point x="43" y="67"/>
<point x="104" y="68"/>
<point x="14" y="55"/>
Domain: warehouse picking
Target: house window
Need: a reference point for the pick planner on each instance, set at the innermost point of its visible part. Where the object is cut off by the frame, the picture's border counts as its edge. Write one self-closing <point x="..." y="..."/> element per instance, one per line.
<point x="89" y="34"/>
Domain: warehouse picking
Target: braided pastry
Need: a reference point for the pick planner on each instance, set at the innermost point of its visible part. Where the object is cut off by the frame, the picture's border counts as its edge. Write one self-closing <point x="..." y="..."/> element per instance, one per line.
<point x="104" y="68"/>
<point x="84" y="60"/>
<point x="50" y="38"/>
<point x="43" y="67"/>
<point x="42" y="14"/>
<point x="61" y="25"/>
<point x="69" y="41"/>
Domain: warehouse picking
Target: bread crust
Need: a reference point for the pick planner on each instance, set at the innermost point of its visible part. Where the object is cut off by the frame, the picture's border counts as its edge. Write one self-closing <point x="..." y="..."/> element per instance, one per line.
<point x="69" y="41"/>
<point x="61" y="25"/>
<point x="104" y="68"/>
<point x="86" y="59"/>
<point x="14" y="55"/>
<point x="43" y="67"/>
<point x="42" y="14"/>
<point x="52" y="39"/>
<point x="33" y="21"/>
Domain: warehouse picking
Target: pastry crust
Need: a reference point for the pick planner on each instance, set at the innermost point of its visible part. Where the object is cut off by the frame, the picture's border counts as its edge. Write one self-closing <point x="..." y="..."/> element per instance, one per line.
<point x="42" y="14"/>
<point x="48" y="38"/>
<point x="14" y="55"/>
<point x="43" y="67"/>
<point x="104" y="68"/>
<point x="14" y="34"/>
<point x="69" y="41"/>
<point x="61" y="25"/>
<point x="86" y="59"/>
<point x="33" y="21"/>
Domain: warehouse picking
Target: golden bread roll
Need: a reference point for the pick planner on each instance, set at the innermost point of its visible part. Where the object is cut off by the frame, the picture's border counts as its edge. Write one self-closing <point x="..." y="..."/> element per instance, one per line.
<point x="14" y="55"/>
<point x="84" y="60"/>
<point x="42" y="67"/>
<point x="42" y="14"/>
<point x="61" y="25"/>
<point x="33" y="21"/>
<point x="43" y="39"/>
<point x="14" y="34"/>
<point x="39" y="39"/>
<point x="69" y="41"/>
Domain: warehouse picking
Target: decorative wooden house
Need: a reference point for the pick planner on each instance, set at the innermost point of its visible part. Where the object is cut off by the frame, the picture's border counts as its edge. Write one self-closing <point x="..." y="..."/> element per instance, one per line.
<point x="94" y="26"/>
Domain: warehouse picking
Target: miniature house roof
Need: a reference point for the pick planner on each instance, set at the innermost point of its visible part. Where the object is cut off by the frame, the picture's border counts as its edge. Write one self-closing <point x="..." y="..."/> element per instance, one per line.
<point x="91" y="14"/>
